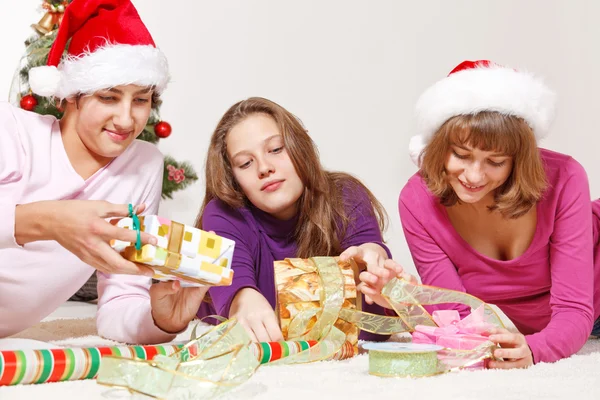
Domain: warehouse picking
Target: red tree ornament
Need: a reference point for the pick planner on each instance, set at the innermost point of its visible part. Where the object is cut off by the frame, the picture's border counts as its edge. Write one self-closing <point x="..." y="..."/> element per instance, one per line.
<point x="28" y="102"/>
<point x="162" y="129"/>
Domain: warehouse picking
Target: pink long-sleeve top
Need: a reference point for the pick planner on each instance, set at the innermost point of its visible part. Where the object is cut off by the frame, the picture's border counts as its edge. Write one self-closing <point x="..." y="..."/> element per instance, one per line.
<point x="548" y="292"/>
<point x="36" y="278"/>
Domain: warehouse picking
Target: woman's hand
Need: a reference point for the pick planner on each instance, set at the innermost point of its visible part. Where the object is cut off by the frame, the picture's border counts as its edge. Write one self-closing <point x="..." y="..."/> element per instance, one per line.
<point x="515" y="351"/>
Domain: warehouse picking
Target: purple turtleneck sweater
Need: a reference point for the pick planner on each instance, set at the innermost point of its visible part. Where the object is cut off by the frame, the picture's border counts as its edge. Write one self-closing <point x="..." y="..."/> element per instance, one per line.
<point x="260" y="239"/>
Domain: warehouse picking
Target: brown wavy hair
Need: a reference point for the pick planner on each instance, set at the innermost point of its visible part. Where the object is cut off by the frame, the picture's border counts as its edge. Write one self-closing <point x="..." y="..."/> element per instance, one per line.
<point x="489" y="131"/>
<point x="323" y="216"/>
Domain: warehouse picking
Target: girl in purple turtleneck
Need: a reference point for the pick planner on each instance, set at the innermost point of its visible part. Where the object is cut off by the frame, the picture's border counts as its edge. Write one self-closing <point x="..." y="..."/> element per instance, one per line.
<point x="267" y="191"/>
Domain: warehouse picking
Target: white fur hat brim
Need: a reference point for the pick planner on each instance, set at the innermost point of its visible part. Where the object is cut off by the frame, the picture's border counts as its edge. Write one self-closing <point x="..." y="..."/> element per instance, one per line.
<point x="107" y="67"/>
<point x="485" y="88"/>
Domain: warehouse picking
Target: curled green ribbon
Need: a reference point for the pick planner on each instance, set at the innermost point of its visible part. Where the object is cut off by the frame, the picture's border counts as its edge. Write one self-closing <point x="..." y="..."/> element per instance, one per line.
<point x="221" y="359"/>
<point x="207" y="366"/>
<point x="407" y="300"/>
<point x="136" y="226"/>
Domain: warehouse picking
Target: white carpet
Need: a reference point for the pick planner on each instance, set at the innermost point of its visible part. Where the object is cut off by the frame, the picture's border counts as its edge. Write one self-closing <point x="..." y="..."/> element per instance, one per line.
<point x="575" y="378"/>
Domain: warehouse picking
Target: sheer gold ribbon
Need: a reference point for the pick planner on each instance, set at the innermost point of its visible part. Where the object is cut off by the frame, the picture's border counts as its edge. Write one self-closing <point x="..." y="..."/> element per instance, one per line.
<point x="407" y="300"/>
<point x="220" y="359"/>
<point x="207" y="366"/>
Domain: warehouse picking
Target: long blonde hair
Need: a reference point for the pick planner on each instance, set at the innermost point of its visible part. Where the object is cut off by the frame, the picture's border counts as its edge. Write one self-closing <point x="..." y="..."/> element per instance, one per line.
<point x="323" y="218"/>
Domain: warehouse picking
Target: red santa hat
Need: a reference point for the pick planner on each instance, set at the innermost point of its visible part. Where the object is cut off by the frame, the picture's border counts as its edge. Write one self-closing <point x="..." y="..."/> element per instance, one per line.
<point x="476" y="86"/>
<point x="109" y="46"/>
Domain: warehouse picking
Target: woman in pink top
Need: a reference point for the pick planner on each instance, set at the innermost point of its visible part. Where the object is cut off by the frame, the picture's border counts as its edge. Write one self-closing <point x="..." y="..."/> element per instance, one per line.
<point x="61" y="180"/>
<point x="491" y="214"/>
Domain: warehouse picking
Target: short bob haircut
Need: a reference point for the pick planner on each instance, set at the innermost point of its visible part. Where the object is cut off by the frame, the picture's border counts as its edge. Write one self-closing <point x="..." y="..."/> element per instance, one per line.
<point x="489" y="131"/>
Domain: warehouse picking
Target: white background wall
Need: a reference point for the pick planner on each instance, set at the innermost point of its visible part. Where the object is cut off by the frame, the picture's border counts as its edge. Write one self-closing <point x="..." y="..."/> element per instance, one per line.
<point x="352" y="71"/>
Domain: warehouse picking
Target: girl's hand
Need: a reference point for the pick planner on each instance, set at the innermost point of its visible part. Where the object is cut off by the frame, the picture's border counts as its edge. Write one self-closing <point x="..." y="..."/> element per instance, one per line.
<point x="173" y="307"/>
<point x="255" y="314"/>
<point x="379" y="271"/>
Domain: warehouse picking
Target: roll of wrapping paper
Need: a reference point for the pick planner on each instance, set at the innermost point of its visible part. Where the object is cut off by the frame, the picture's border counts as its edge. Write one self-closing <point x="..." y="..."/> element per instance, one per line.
<point x="71" y="364"/>
<point x="66" y="364"/>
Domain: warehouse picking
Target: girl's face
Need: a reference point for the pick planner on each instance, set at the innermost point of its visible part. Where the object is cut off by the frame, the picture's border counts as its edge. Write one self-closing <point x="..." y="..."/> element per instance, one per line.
<point x="108" y="121"/>
<point x="262" y="166"/>
<point x="475" y="174"/>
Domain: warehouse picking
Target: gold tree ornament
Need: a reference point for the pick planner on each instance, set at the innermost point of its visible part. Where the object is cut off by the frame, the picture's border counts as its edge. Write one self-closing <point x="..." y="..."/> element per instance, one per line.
<point x="52" y="18"/>
<point x="46" y="24"/>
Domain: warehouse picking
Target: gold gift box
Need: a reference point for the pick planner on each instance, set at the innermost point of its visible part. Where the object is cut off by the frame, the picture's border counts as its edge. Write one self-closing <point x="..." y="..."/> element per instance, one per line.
<point x="298" y="289"/>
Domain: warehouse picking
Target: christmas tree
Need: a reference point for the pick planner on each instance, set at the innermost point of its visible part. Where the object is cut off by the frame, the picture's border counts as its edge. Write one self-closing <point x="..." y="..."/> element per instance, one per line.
<point x="177" y="175"/>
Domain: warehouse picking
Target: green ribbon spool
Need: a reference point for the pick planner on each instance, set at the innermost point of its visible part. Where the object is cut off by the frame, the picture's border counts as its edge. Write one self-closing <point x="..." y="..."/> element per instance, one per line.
<point x="403" y="359"/>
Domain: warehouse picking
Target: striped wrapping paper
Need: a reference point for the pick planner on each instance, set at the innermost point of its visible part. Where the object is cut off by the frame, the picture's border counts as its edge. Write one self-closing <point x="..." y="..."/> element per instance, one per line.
<point x="70" y="364"/>
<point x="267" y="352"/>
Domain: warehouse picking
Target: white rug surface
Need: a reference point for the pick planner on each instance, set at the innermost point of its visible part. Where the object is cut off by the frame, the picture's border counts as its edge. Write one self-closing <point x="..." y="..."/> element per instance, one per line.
<point x="575" y="378"/>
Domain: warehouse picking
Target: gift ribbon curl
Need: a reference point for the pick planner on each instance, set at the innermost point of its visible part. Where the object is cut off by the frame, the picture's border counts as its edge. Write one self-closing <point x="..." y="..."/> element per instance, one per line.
<point x="205" y="367"/>
<point x="408" y="299"/>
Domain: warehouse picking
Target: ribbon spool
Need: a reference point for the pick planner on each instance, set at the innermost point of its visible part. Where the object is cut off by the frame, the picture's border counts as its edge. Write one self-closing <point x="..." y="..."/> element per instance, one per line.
<point x="403" y="359"/>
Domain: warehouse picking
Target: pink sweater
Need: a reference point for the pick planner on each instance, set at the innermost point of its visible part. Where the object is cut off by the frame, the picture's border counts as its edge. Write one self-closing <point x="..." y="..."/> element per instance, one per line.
<point x="35" y="279"/>
<point x="548" y="291"/>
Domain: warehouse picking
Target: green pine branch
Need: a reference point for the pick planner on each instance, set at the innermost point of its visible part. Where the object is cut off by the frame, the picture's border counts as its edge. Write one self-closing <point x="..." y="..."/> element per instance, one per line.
<point x="148" y="133"/>
<point x="46" y="106"/>
<point x="170" y="185"/>
<point x="55" y="3"/>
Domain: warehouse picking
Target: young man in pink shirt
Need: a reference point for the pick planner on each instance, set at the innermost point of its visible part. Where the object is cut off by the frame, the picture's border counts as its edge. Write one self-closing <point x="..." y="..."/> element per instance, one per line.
<point x="61" y="180"/>
<point x="491" y="214"/>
